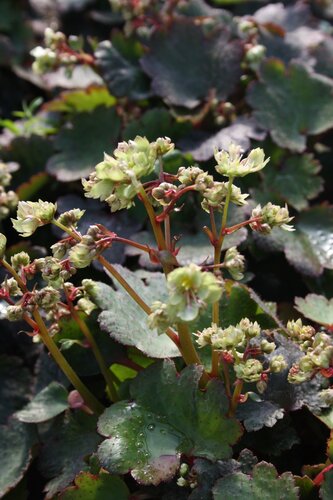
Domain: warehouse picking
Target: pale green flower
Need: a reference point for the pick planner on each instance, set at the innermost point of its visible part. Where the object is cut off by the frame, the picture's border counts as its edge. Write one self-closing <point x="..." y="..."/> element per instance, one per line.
<point x="231" y="163"/>
<point x="250" y="371"/>
<point x="33" y="214"/>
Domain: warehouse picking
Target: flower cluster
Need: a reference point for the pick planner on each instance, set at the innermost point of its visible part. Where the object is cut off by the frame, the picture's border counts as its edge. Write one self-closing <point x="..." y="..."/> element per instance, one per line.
<point x="33" y="214"/>
<point x="190" y="291"/>
<point x="116" y="179"/>
<point x="232" y="164"/>
<point x="270" y="216"/>
<point x="318" y="357"/>
<point x="58" y="51"/>
<point x="234" y="262"/>
<point x="236" y="343"/>
<point x="8" y="199"/>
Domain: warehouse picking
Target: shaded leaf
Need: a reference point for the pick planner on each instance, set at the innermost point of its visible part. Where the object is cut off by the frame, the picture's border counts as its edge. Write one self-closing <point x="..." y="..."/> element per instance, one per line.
<point x="327" y="486"/>
<point x="309" y="248"/>
<point x="123" y="77"/>
<point x="291" y="91"/>
<point x="169" y="417"/>
<point x="256" y="415"/>
<point x="96" y="487"/>
<point x="125" y="321"/>
<point x="81" y="144"/>
<point x="201" y="146"/>
<point x="156" y="122"/>
<point x="317" y="308"/>
<point x="79" y="101"/>
<point x="15" y="457"/>
<point x="296" y="182"/>
<point x="264" y="484"/>
<point x="186" y="74"/>
<point x="47" y="404"/>
<point x="324" y="57"/>
<point x="63" y="454"/>
<point x="15" y="387"/>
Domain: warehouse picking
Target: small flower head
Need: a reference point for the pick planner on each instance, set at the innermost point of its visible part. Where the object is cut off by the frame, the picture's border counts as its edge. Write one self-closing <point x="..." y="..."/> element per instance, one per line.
<point x="277" y="364"/>
<point x="271" y="216"/>
<point x="19" y="260"/>
<point x="250" y="329"/>
<point x="11" y="285"/>
<point x="47" y="298"/>
<point x="159" y="318"/>
<point x="188" y="175"/>
<point x="82" y="254"/>
<point x="3" y="243"/>
<point x="231" y="163"/>
<point x="45" y="59"/>
<point x="33" y="214"/>
<point x="71" y="217"/>
<point x="228" y="338"/>
<point x="249" y="371"/>
<point x="267" y="347"/>
<point x="164" y="193"/>
<point x="206" y="335"/>
<point x="215" y="196"/>
<point x="163" y="145"/>
<point x="14" y="313"/>
<point x="327" y="396"/>
<point x="190" y="290"/>
<point x="235" y="263"/>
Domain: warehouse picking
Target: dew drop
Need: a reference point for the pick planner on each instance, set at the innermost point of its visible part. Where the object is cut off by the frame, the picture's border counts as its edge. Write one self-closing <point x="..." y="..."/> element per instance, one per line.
<point x="151" y="427"/>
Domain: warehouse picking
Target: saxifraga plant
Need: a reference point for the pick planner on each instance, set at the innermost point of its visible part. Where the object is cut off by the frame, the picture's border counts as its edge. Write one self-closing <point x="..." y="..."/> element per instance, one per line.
<point x="243" y="357"/>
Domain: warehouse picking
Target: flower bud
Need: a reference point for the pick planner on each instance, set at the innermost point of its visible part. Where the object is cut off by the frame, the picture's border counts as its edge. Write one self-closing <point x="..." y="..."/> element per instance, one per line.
<point x="163" y="145"/>
<point x="228" y="338"/>
<point x="47" y="298"/>
<point x="20" y="260"/>
<point x="216" y="195"/>
<point x="206" y="335"/>
<point x="234" y="262"/>
<point x="267" y="347"/>
<point x="11" y="285"/>
<point x="188" y="176"/>
<point x="71" y="217"/>
<point x="164" y="193"/>
<point x="86" y="305"/>
<point x="255" y="55"/>
<point x="31" y="215"/>
<point x="60" y="249"/>
<point x="250" y="329"/>
<point x="271" y="216"/>
<point x="232" y="165"/>
<point x="299" y="332"/>
<point x="3" y="243"/>
<point x="327" y="396"/>
<point x="277" y="364"/>
<point x="159" y="318"/>
<point x="82" y="254"/>
<point x="250" y="371"/>
<point x="14" y="313"/>
<point x="297" y="376"/>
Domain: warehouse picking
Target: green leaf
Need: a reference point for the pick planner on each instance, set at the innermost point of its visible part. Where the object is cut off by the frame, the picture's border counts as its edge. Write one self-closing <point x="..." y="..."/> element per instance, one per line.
<point x="96" y="487"/>
<point x="185" y="74"/>
<point x="48" y="403"/>
<point x="123" y="76"/>
<point x="240" y="301"/>
<point x="169" y="417"/>
<point x="81" y="144"/>
<point x="65" y="449"/>
<point x="81" y="100"/>
<point x="16" y="382"/>
<point x="296" y="182"/>
<point x="156" y="122"/>
<point x="125" y="321"/>
<point x="309" y="248"/>
<point x="265" y="484"/>
<point x="16" y="441"/>
<point x="294" y="91"/>
<point x="327" y="486"/>
<point x="317" y="308"/>
<point x="79" y="354"/>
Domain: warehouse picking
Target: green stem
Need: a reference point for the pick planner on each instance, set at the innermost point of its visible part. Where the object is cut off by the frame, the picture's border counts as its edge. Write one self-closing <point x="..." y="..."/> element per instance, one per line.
<point x="235" y="397"/>
<point x="97" y="353"/>
<point x="189" y="352"/>
<point x="87" y="396"/>
<point x="156" y="226"/>
<point x="217" y="260"/>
